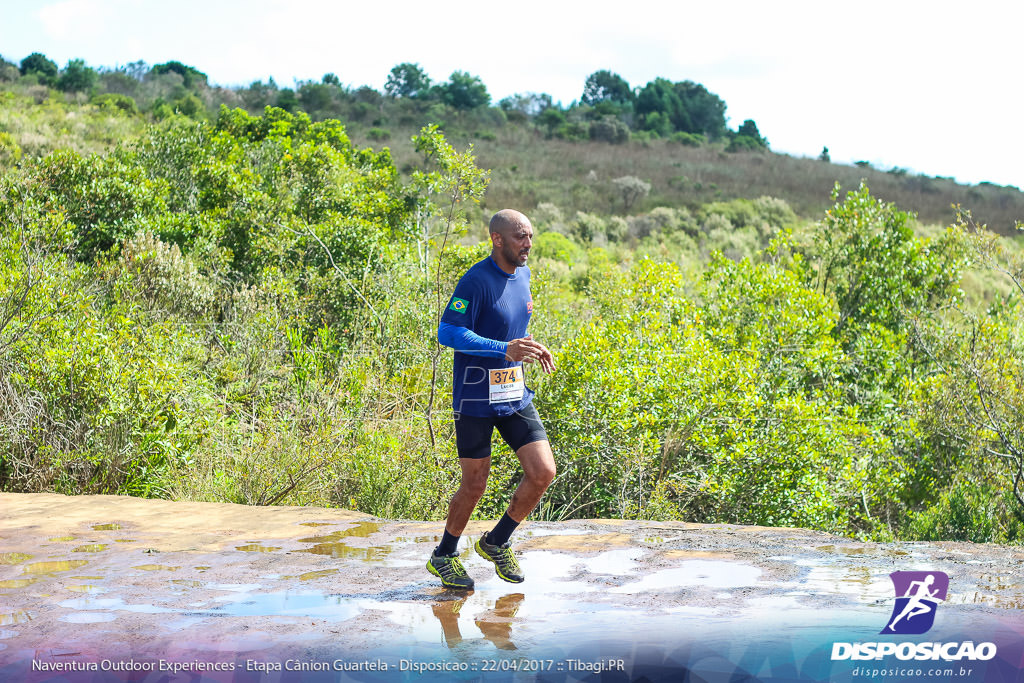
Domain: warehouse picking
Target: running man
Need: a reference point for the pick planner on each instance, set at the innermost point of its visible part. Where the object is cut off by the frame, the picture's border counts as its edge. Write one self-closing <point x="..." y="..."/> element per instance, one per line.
<point x="485" y="323"/>
<point x="915" y="604"/>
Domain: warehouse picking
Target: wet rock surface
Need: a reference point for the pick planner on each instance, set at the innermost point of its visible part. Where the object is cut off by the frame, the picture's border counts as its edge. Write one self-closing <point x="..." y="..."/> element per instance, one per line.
<point x="81" y="575"/>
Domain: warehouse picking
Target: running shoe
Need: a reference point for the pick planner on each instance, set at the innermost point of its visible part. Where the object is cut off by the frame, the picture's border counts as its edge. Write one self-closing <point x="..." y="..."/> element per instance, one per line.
<point x="505" y="562"/>
<point x="449" y="569"/>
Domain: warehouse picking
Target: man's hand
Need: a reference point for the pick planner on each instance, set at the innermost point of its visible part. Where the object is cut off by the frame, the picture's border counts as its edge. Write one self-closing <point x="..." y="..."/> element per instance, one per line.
<point x="528" y="351"/>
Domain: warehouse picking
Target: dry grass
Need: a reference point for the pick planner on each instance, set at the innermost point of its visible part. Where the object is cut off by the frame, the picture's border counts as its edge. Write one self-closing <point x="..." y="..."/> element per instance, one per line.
<point x="528" y="169"/>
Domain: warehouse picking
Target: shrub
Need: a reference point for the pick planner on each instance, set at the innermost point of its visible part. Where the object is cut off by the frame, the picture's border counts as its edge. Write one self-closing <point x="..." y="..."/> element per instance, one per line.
<point x="378" y="134"/>
<point x="115" y="102"/>
<point x="609" y="129"/>
<point x="688" y="139"/>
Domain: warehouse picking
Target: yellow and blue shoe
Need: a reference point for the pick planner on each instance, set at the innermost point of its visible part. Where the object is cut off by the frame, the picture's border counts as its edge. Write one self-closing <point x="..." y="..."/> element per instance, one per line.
<point x="505" y="562"/>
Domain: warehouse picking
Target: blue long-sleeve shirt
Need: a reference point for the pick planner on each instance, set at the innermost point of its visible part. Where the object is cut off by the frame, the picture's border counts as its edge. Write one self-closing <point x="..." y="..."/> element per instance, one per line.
<point x="488" y="309"/>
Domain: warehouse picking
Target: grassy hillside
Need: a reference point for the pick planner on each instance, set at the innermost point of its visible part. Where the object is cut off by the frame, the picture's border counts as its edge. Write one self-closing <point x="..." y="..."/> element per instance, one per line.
<point x="530" y="168"/>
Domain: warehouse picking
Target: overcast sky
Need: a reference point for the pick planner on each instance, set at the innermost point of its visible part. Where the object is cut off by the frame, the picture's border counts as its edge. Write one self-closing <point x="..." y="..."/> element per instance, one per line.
<point x="929" y="86"/>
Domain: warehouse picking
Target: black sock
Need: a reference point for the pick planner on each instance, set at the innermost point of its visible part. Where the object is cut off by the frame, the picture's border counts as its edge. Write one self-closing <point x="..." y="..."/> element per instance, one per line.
<point x="449" y="544"/>
<point x="503" y="531"/>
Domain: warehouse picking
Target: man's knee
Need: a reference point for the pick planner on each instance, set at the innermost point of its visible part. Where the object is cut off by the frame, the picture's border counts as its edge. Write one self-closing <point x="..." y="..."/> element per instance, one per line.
<point x="543" y="475"/>
<point x="473" y="486"/>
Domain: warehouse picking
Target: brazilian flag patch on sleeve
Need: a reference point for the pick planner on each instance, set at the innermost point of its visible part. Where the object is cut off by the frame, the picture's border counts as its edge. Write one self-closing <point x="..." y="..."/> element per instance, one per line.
<point x="458" y="305"/>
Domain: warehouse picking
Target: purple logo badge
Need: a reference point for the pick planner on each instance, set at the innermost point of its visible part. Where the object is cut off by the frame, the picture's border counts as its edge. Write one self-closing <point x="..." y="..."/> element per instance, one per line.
<point x="917" y="596"/>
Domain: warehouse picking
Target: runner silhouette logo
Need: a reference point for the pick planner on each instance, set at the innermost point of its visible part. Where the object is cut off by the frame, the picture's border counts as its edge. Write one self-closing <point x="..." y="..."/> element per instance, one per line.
<point x="918" y="595"/>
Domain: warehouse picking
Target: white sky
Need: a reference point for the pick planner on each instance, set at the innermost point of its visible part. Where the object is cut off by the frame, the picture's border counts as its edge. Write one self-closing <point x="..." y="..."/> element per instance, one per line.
<point x="929" y="86"/>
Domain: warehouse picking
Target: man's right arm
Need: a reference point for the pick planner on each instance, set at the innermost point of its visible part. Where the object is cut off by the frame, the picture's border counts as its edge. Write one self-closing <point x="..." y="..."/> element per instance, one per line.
<point x="467" y="341"/>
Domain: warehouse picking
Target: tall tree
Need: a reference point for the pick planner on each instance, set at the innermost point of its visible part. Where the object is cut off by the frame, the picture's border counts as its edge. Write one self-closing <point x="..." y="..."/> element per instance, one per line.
<point x="605" y="86"/>
<point x="464" y="91"/>
<point x="407" y="80"/>
<point x="37" y="63"/>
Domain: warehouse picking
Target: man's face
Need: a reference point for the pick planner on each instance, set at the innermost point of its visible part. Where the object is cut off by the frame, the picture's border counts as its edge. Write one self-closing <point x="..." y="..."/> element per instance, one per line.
<point x="516" y="244"/>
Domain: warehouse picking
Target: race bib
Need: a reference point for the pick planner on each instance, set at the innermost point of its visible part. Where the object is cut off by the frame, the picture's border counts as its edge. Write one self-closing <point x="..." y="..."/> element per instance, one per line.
<point x="506" y="385"/>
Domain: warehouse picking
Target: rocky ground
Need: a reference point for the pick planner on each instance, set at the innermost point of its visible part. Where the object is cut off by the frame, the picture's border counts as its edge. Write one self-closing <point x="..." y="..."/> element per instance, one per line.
<point x="86" y="577"/>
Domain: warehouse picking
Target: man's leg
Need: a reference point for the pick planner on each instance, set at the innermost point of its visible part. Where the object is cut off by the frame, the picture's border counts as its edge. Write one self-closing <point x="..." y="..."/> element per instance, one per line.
<point x="471" y="490"/>
<point x="473" y="440"/>
<point x="538" y="472"/>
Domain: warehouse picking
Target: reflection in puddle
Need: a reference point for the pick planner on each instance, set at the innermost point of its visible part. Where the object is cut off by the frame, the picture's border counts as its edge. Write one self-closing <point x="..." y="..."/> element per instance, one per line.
<point x="156" y="567"/>
<point x="19" y="617"/>
<point x="495" y="624"/>
<point x="17" y="583"/>
<point x="340" y="550"/>
<point x="62" y="538"/>
<point x="188" y="582"/>
<point x="91" y="548"/>
<point x="417" y="539"/>
<point x="704" y="573"/>
<point x="257" y="548"/>
<point x="201" y="568"/>
<point x="125" y="540"/>
<point x="309" y="576"/>
<point x="858" y="550"/>
<point x="13" y="558"/>
<point x="53" y="567"/>
<point x="360" y="529"/>
<point x="87" y="617"/>
<point x="112" y="604"/>
<point x="829" y="579"/>
<point x="289" y="604"/>
<point x="315" y="523"/>
<point x="91" y="590"/>
<point x="106" y="527"/>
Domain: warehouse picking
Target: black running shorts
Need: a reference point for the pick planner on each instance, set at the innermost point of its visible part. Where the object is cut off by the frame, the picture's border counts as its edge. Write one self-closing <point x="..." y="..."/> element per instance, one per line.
<point x="473" y="434"/>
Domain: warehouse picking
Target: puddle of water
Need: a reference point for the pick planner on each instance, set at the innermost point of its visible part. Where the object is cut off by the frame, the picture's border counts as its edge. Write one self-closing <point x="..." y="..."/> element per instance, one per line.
<point x="858" y="550"/>
<point x="62" y="538"/>
<point x="156" y="567"/>
<point x="87" y="617"/>
<point x="417" y="539"/>
<point x="315" y="523"/>
<point x="4" y="635"/>
<point x="17" y="583"/>
<point x="91" y="590"/>
<point x="13" y="558"/>
<point x="91" y="548"/>
<point x="188" y="582"/>
<point x="106" y="527"/>
<point x="828" y="579"/>
<point x="19" y="617"/>
<point x="704" y="573"/>
<point x="53" y="567"/>
<point x="87" y="578"/>
<point x="257" y="548"/>
<point x="546" y="572"/>
<point x="125" y="540"/>
<point x="309" y="576"/>
<point x="88" y="604"/>
<point x="359" y="530"/>
<point x="202" y="569"/>
<point x="340" y="550"/>
<point x="556" y="532"/>
<point x="235" y="587"/>
<point x="614" y="562"/>
<point x="289" y="604"/>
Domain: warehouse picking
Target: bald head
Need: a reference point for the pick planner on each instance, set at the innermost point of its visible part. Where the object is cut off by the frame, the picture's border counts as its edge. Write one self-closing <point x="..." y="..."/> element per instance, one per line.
<point x="511" y="239"/>
<point x="508" y="220"/>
